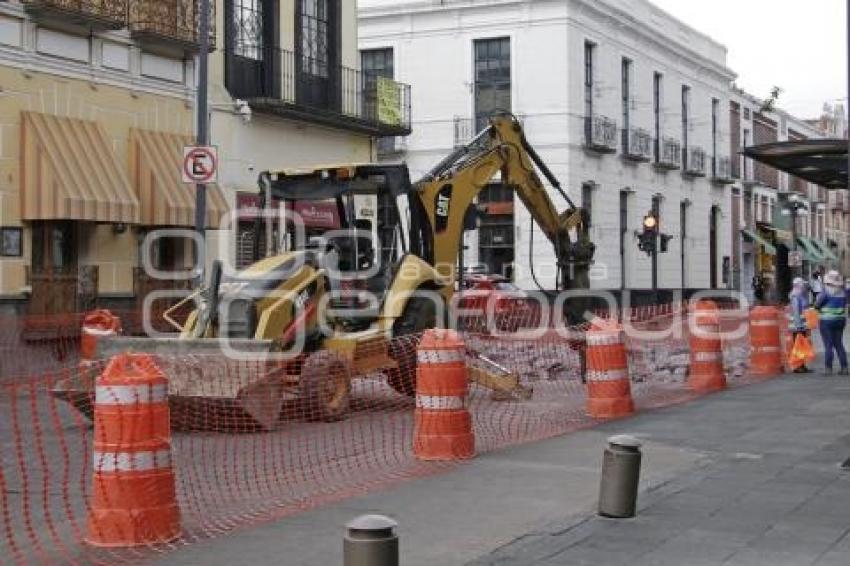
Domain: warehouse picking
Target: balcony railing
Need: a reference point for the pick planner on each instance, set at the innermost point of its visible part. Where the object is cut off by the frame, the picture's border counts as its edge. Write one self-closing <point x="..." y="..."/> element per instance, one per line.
<point x="600" y="134"/>
<point x="282" y="83"/>
<point x="170" y="22"/>
<point x="669" y="154"/>
<point x="104" y="14"/>
<point x="391" y="146"/>
<point x="637" y="144"/>
<point x="464" y="131"/>
<point x="721" y="170"/>
<point x="694" y="161"/>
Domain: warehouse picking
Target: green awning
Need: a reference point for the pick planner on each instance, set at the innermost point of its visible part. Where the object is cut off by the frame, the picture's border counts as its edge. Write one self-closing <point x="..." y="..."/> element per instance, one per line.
<point x="754" y="237"/>
<point x="824" y="250"/>
<point x="811" y="252"/>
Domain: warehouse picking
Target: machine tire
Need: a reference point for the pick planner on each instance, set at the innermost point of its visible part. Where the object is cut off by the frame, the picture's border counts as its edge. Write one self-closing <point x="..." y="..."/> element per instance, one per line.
<point x="325" y="387"/>
<point x="419" y="315"/>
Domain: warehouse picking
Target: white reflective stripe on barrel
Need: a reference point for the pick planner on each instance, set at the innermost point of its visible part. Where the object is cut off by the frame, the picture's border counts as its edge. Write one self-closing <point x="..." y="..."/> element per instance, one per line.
<point x="708" y="356"/>
<point x="609" y="375"/>
<point x="436" y="402"/>
<point x="130" y="394"/>
<point x="766" y="349"/>
<point x="604" y="338"/>
<point x="132" y="461"/>
<point x="772" y="322"/>
<point x="440" y="356"/>
<point x="98" y="331"/>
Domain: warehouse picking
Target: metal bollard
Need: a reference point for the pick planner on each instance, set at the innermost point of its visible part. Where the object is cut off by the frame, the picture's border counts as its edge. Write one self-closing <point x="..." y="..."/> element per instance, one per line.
<point x="371" y="540"/>
<point x="620" y="475"/>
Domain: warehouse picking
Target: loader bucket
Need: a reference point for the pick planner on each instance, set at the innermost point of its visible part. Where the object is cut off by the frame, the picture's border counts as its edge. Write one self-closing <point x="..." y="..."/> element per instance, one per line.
<point x="205" y="387"/>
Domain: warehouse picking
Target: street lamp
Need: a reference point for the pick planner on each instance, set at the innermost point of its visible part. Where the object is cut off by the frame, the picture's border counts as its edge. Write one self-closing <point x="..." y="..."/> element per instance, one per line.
<point x="794" y="205"/>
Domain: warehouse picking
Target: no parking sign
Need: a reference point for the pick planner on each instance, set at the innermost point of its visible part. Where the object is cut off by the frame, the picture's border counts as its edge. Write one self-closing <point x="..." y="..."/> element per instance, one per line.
<point x="200" y="164"/>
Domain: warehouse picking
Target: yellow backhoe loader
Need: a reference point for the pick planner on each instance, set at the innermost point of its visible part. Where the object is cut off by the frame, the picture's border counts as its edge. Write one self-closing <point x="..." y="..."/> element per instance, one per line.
<point x="337" y="302"/>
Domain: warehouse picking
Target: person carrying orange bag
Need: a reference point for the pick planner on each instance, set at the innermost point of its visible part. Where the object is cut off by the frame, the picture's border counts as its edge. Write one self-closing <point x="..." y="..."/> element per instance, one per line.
<point x="798" y="326"/>
<point x="801" y="353"/>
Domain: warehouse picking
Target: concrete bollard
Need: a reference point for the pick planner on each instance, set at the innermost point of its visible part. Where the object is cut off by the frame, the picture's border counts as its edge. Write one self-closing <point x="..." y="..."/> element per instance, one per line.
<point x="620" y="476"/>
<point x="371" y="540"/>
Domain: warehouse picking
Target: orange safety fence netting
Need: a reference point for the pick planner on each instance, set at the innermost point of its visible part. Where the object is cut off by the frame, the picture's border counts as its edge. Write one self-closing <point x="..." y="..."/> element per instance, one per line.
<point x="256" y="441"/>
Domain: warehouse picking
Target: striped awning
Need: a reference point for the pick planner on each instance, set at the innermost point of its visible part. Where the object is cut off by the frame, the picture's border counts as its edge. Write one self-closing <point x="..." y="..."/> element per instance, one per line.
<point x="769" y="248"/>
<point x="824" y="250"/>
<point x="155" y="162"/>
<point x="810" y="251"/>
<point x="69" y="172"/>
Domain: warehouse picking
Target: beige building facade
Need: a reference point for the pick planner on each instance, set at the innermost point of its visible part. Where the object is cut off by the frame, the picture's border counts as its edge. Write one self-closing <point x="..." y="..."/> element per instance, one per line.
<point x="97" y="101"/>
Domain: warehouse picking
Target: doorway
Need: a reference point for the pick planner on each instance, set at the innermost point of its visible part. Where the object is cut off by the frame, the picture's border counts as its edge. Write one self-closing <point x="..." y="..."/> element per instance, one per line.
<point x="712" y="247"/>
<point x="252" y="58"/>
<point x="624" y="236"/>
<point x="317" y="56"/>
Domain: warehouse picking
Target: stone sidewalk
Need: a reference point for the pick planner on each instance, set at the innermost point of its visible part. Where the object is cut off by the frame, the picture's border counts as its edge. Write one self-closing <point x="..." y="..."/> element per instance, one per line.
<point x="746" y="476"/>
<point x="768" y="491"/>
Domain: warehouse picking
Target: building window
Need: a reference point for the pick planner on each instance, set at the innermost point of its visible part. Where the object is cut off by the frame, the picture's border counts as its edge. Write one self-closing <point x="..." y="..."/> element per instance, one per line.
<point x="248" y="31"/>
<point x="54" y="246"/>
<point x="626" y="72"/>
<point x="686" y="111"/>
<point x="748" y="209"/>
<point x="315" y="48"/>
<point x="715" y="110"/>
<point x="496" y="231"/>
<point x="735" y="139"/>
<point x="377" y="63"/>
<point x="492" y="78"/>
<point x="252" y="60"/>
<point x="656" y="109"/>
<point x="624" y="235"/>
<point x="587" y="202"/>
<point x="683" y="238"/>
<point x="589" y="49"/>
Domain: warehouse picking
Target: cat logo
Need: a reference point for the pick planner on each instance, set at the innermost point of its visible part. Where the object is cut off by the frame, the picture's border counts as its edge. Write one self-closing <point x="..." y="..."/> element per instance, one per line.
<point x="442" y="206"/>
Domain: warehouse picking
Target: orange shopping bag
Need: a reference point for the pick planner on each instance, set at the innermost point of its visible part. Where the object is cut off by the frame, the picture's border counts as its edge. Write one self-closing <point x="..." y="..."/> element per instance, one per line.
<point x="801" y="353"/>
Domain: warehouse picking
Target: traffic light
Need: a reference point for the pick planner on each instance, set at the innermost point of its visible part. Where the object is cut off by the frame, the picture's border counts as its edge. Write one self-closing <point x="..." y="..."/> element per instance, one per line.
<point x="648" y="237"/>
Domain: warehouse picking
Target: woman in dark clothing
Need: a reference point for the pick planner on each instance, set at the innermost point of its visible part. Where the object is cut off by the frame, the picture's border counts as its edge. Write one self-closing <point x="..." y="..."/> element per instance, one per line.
<point x="832" y="309"/>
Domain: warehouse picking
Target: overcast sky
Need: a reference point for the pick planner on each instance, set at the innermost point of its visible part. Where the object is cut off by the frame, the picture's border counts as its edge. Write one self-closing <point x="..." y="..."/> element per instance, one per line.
<point x="799" y="45"/>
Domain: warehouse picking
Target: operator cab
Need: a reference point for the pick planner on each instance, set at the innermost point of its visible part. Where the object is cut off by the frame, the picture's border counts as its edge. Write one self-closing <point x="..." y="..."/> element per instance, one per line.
<point x="349" y="216"/>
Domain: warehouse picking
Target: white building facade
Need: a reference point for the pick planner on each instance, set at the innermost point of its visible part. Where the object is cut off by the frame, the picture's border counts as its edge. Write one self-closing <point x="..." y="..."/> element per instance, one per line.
<point x="627" y="106"/>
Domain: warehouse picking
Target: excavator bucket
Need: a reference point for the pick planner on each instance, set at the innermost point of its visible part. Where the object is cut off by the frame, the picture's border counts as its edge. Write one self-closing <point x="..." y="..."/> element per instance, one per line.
<point x="202" y="381"/>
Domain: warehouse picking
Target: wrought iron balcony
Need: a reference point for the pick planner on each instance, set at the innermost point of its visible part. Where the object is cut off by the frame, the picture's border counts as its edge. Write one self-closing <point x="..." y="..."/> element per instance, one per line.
<point x="637" y="144"/>
<point x="279" y="82"/>
<point x="600" y="134"/>
<point x="694" y="161"/>
<point x="97" y="14"/>
<point x="721" y="170"/>
<point x="174" y="23"/>
<point x="669" y="154"/>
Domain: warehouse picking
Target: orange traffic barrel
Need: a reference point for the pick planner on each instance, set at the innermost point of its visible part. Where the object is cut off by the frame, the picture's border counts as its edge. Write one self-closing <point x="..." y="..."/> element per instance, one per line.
<point x="97" y="324"/>
<point x="765" y="342"/>
<point x="706" y="370"/>
<point x="609" y="392"/>
<point x="134" y="498"/>
<point x="442" y="422"/>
